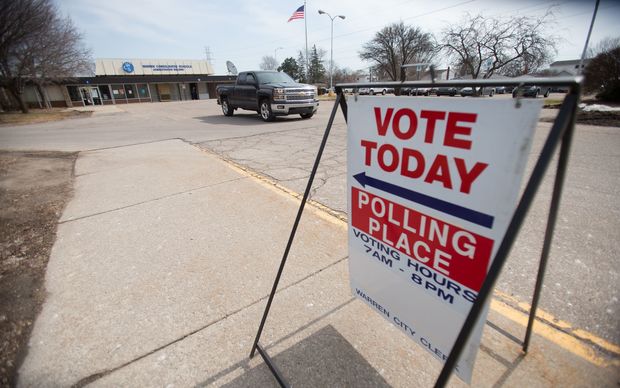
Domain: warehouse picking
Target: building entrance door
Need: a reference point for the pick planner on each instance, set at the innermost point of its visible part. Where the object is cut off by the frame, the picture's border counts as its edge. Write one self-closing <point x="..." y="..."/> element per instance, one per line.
<point x="164" y="92"/>
<point x="193" y="88"/>
<point x="90" y="95"/>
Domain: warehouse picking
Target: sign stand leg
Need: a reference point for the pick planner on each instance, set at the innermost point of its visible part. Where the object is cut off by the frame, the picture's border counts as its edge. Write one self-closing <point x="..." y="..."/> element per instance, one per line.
<point x="563" y="124"/>
<point x="256" y="345"/>
<point x="553" y="212"/>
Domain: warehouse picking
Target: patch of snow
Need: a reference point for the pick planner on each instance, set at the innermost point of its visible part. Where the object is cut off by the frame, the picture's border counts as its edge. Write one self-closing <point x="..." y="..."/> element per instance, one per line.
<point x="598" y="107"/>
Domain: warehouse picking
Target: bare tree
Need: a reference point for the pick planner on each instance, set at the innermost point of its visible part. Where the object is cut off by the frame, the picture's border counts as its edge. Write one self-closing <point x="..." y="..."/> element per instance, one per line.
<point x="602" y="75"/>
<point x="268" y="63"/>
<point x="345" y="74"/>
<point x="37" y="44"/>
<point x="482" y="46"/>
<point x="604" y="45"/>
<point x="397" y="45"/>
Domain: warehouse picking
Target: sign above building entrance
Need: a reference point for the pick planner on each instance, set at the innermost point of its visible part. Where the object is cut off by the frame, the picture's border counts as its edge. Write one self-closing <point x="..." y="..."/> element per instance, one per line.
<point x="151" y="67"/>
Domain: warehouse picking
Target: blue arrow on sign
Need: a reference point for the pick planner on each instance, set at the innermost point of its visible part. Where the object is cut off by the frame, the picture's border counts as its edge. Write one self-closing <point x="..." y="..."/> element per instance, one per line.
<point x="434" y="203"/>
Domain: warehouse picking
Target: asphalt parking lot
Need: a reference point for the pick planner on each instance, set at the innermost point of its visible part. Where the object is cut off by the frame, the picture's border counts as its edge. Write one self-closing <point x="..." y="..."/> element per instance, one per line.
<point x="581" y="287"/>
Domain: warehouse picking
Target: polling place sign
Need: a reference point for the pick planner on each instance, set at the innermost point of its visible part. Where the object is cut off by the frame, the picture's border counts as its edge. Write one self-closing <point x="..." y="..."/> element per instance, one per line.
<point x="432" y="185"/>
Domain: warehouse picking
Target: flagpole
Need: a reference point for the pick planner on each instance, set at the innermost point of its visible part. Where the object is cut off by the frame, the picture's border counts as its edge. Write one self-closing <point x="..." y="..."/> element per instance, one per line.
<point x="306" y="27"/>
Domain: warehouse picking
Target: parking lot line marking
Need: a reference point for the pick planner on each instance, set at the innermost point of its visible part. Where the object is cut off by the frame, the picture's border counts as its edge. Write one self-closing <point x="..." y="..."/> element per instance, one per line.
<point x="558" y="324"/>
<point x="558" y="337"/>
<point x="547" y="326"/>
<point x="317" y="208"/>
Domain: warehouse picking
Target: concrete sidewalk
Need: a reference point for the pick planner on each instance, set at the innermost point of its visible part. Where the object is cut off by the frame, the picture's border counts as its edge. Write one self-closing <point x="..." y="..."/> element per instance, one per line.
<point x="160" y="272"/>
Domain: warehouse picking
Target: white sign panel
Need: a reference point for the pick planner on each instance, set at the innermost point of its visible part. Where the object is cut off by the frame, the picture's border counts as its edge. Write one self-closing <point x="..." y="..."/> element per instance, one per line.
<point x="140" y="66"/>
<point x="432" y="185"/>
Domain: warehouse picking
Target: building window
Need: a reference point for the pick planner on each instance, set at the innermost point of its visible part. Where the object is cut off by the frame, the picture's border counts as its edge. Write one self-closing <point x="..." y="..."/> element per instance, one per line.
<point x="143" y="91"/>
<point x="105" y="92"/>
<point x="118" y="92"/>
<point x="74" y="93"/>
<point x="130" y="91"/>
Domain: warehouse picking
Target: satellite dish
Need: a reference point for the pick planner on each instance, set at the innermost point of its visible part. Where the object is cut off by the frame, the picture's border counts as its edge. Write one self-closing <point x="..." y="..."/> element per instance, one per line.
<point x="232" y="69"/>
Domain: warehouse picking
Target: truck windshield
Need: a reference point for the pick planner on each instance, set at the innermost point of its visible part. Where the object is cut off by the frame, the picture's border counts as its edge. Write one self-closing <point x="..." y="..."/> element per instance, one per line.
<point x="270" y="78"/>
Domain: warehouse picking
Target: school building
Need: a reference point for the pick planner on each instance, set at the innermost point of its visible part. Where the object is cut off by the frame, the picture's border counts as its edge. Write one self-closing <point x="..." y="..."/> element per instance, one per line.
<point x="127" y="81"/>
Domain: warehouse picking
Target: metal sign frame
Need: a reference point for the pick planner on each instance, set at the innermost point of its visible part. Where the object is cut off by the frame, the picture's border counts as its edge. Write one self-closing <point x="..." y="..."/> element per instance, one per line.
<point x="561" y="133"/>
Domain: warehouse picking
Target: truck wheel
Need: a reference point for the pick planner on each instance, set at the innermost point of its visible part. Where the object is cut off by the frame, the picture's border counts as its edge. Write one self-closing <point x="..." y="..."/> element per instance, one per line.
<point x="372" y="92"/>
<point x="265" y="111"/>
<point x="383" y="92"/>
<point x="306" y="115"/>
<point x="226" y="108"/>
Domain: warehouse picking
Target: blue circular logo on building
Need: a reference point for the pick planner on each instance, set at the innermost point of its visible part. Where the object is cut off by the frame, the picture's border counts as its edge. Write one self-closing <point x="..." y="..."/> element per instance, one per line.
<point x="127" y="67"/>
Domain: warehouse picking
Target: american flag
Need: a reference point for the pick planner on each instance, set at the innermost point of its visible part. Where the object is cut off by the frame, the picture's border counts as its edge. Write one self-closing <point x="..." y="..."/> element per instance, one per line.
<point x="299" y="14"/>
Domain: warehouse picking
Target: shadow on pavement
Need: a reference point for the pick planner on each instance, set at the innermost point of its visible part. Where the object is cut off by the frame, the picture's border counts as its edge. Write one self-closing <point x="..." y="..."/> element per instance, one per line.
<point x="244" y="119"/>
<point x="324" y="359"/>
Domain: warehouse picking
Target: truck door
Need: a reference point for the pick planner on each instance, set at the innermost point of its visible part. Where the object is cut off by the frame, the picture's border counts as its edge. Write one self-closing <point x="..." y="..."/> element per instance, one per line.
<point x="243" y="91"/>
<point x="249" y="90"/>
<point x="236" y="96"/>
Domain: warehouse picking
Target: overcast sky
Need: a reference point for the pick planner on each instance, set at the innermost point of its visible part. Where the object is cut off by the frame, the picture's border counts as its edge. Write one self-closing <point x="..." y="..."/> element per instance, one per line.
<point x="245" y="31"/>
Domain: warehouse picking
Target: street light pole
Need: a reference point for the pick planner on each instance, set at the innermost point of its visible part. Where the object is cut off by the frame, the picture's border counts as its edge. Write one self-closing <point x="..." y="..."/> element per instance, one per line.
<point x="331" y="50"/>
<point x="585" y="47"/>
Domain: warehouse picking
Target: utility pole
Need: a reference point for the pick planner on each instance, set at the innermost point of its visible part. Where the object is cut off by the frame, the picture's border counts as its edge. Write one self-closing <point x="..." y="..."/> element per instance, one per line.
<point x="585" y="47"/>
<point x="208" y="56"/>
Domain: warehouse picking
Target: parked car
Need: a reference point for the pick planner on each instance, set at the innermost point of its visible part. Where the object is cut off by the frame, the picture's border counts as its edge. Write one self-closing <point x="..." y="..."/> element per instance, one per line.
<point x="531" y="91"/>
<point x="469" y="91"/>
<point x="419" y="91"/>
<point x="373" y="90"/>
<point x="503" y="89"/>
<point x="270" y="93"/>
<point x="446" y="91"/>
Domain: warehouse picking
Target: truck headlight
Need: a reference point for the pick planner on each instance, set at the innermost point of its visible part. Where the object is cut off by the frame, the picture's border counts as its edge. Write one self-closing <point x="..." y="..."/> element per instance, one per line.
<point x="278" y="94"/>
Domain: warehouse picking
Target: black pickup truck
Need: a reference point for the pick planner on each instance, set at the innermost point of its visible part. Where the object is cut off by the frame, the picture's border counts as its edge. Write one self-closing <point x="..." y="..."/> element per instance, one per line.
<point x="270" y="93"/>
